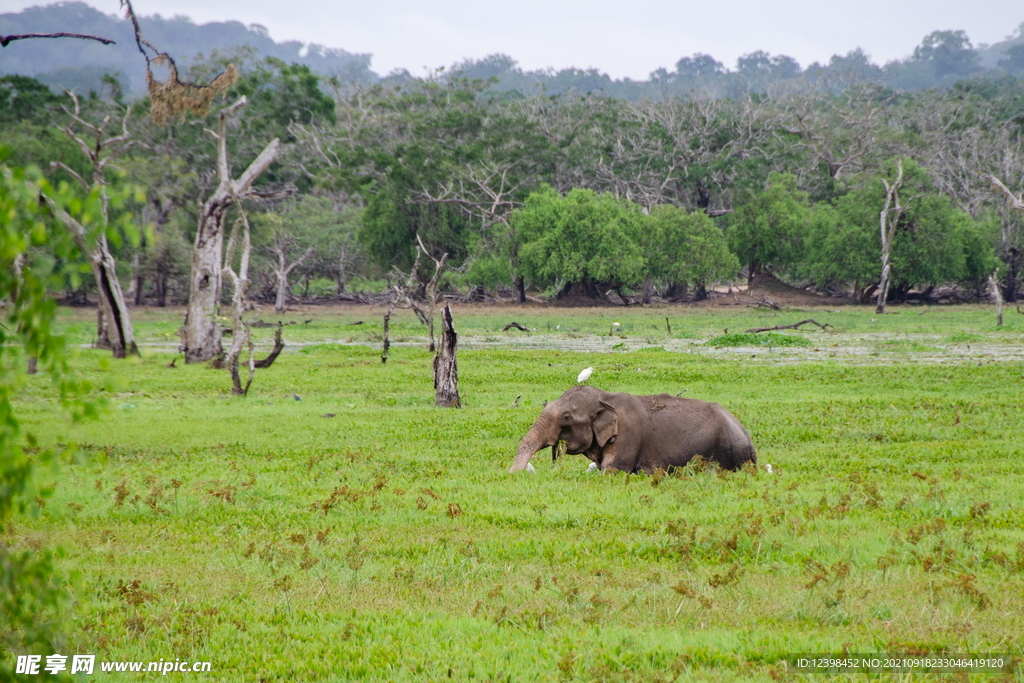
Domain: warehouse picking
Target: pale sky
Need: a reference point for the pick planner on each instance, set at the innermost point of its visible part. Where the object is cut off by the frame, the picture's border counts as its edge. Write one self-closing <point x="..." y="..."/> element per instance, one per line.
<point x="618" y="37"/>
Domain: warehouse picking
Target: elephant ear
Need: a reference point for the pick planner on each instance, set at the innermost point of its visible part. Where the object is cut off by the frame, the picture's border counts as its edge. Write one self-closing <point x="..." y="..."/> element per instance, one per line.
<point x="606" y="424"/>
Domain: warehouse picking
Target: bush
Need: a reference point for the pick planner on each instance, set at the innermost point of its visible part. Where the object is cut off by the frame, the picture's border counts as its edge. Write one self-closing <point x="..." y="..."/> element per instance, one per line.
<point x="763" y="339"/>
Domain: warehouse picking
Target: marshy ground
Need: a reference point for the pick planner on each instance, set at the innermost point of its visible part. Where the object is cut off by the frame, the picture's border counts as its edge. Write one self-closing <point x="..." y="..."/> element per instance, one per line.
<point x="334" y="525"/>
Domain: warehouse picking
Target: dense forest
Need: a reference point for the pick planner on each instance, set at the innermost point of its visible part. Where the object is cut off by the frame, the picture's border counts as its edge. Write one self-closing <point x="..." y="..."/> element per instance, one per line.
<point x="570" y="192"/>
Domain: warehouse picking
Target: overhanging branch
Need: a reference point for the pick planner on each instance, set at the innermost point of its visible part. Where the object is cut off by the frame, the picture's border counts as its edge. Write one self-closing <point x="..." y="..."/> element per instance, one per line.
<point x="4" y="40"/>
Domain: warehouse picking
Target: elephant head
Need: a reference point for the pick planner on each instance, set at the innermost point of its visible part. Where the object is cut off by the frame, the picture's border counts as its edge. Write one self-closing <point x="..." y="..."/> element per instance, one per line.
<point x="582" y="418"/>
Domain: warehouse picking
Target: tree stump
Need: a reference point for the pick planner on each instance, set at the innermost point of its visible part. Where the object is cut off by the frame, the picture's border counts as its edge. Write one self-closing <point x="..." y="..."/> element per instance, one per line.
<point x="446" y="372"/>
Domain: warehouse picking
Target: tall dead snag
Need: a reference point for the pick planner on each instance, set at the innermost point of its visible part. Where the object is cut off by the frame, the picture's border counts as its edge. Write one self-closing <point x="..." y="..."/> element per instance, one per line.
<point x="446" y="371"/>
<point x="1015" y="202"/>
<point x="113" y="322"/>
<point x="993" y="285"/>
<point x="241" y="333"/>
<point x="889" y="219"/>
<point x="201" y="333"/>
<point x="433" y="289"/>
<point x="281" y="245"/>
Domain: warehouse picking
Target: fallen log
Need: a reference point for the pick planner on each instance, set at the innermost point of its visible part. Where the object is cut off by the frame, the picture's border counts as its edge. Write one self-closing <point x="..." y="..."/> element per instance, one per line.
<point x="762" y="302"/>
<point x="788" y="327"/>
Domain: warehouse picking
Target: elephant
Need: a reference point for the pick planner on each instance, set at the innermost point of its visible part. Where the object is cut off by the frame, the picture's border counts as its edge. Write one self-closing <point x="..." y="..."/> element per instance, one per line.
<point x="637" y="433"/>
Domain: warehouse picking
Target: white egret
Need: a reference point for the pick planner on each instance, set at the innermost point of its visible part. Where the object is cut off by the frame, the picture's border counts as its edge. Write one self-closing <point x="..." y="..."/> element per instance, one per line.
<point x="529" y="468"/>
<point x="584" y="375"/>
<point x="592" y="467"/>
<point x="768" y="468"/>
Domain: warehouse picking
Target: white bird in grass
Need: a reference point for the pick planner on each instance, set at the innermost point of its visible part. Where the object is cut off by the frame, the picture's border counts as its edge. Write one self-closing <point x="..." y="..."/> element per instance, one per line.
<point x="584" y="375"/>
<point x="529" y="468"/>
<point x="592" y="467"/>
<point x="768" y="468"/>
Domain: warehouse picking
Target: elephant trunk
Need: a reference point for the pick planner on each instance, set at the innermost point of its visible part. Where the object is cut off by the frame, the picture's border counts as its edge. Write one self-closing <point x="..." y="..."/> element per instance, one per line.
<point x="542" y="434"/>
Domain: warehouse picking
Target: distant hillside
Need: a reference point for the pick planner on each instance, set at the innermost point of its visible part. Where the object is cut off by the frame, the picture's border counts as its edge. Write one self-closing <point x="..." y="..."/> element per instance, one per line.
<point x="81" y="64"/>
<point x="940" y="60"/>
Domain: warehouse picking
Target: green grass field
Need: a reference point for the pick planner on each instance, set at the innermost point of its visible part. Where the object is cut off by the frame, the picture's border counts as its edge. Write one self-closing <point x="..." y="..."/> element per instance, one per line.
<point x="387" y="542"/>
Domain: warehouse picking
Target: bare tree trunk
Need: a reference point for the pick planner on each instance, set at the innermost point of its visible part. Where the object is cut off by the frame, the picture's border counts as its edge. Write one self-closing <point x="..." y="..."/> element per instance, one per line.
<point x="282" y="270"/>
<point x="113" y="322"/>
<point x="520" y="289"/>
<point x="102" y="333"/>
<point x="889" y="219"/>
<point x="993" y="285"/>
<point x="343" y="269"/>
<point x="137" y="280"/>
<point x="1011" y="276"/>
<point x="160" y="289"/>
<point x="201" y="333"/>
<point x="282" y="291"/>
<point x="648" y="286"/>
<point x="387" y="338"/>
<point x="446" y="371"/>
<point x="116" y="322"/>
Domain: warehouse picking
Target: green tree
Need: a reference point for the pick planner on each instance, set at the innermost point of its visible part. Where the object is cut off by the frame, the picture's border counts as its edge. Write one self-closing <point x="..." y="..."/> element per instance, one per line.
<point x="25" y="99"/>
<point x="281" y="94"/>
<point x="842" y="245"/>
<point x="412" y="142"/>
<point x="32" y="244"/>
<point x="948" y="53"/>
<point x="1013" y="60"/>
<point x="934" y="242"/>
<point x="583" y="241"/>
<point x="685" y="249"/>
<point x="768" y="230"/>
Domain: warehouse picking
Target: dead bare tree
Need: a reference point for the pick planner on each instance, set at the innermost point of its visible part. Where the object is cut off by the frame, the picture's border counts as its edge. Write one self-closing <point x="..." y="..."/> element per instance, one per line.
<point x="280" y="246"/>
<point x="889" y="219"/>
<point x="201" y="332"/>
<point x="489" y="192"/>
<point x="655" y="145"/>
<point x="241" y="333"/>
<point x="433" y="288"/>
<point x="843" y="131"/>
<point x="113" y="325"/>
<point x="400" y="296"/>
<point x="970" y="150"/>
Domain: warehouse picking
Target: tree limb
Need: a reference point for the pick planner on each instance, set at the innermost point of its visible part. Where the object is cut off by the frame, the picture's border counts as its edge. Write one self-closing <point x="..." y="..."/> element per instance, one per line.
<point x="1015" y="201"/>
<point x="4" y="40"/>
<point x="788" y="327"/>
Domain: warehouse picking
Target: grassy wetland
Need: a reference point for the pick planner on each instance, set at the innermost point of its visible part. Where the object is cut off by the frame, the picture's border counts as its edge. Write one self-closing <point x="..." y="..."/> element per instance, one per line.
<point x="334" y="525"/>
